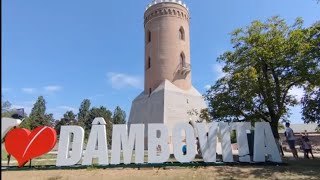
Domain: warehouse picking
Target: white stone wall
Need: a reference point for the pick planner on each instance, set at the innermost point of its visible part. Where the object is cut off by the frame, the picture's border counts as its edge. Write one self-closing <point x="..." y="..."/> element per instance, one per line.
<point x="167" y="104"/>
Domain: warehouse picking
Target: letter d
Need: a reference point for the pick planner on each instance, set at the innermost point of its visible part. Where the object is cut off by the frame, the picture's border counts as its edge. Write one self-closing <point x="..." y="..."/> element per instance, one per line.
<point x="64" y="159"/>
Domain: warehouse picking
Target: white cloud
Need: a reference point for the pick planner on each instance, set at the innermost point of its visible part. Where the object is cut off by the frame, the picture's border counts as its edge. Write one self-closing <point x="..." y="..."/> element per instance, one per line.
<point x="207" y="87"/>
<point x="297" y="92"/>
<point x="28" y="90"/>
<point x="56" y="111"/>
<point x="27" y="106"/>
<point x="217" y="74"/>
<point x="217" y="70"/>
<point x="5" y="90"/>
<point x="68" y="108"/>
<point x="120" y="80"/>
<point x="52" y="88"/>
<point x="96" y="96"/>
<point x="46" y="89"/>
<point x="296" y="116"/>
<point x="59" y="111"/>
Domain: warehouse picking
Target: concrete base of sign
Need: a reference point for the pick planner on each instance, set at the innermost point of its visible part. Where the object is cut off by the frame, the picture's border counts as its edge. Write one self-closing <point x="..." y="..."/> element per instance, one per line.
<point x="168" y="105"/>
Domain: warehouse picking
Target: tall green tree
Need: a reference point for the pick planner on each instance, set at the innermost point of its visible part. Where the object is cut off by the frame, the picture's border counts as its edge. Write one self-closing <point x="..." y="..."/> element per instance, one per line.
<point x="5" y="106"/>
<point x="311" y="99"/>
<point x="69" y="118"/>
<point x="106" y="115"/>
<point x="38" y="116"/>
<point x="6" y="109"/>
<point x="83" y="115"/>
<point x="269" y="59"/>
<point x="119" y="116"/>
<point x="311" y="107"/>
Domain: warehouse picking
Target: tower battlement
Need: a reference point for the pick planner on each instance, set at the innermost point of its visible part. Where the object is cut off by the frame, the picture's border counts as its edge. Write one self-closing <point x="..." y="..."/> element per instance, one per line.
<point x="166" y="9"/>
<point x="166" y="1"/>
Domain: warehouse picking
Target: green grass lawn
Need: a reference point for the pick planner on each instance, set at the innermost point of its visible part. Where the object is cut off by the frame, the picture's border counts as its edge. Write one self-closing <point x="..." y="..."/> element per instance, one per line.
<point x="46" y="159"/>
<point x="297" y="169"/>
<point x="3" y="154"/>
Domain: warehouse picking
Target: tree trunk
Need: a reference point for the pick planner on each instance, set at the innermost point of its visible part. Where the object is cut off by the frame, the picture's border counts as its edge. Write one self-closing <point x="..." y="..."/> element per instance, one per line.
<point x="274" y="127"/>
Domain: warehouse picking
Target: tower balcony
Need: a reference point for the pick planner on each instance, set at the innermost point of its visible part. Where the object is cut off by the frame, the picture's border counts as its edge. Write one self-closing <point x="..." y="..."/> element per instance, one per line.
<point x="184" y="68"/>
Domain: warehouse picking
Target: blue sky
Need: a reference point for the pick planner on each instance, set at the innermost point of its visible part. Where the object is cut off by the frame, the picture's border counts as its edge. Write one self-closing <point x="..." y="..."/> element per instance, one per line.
<point x="71" y="50"/>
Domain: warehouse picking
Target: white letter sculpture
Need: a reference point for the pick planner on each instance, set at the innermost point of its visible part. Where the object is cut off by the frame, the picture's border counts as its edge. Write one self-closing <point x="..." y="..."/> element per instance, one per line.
<point x="208" y="143"/>
<point x="98" y="136"/>
<point x="224" y="130"/>
<point x="120" y="138"/>
<point x="63" y="158"/>
<point x="154" y="142"/>
<point x="265" y="144"/>
<point x="242" y="140"/>
<point x="7" y="124"/>
<point x="190" y="142"/>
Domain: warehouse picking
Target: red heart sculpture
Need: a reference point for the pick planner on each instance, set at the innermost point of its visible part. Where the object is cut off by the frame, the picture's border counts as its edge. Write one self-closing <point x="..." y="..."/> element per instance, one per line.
<point x="25" y="145"/>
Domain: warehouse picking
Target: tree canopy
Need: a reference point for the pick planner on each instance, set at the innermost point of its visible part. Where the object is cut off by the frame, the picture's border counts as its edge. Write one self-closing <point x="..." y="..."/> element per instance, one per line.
<point x="6" y="109"/>
<point x="5" y="106"/>
<point x="268" y="60"/>
<point x="69" y="118"/>
<point x="38" y="116"/>
<point x="311" y="107"/>
<point x="83" y="115"/>
<point x="107" y="116"/>
<point x="119" y="116"/>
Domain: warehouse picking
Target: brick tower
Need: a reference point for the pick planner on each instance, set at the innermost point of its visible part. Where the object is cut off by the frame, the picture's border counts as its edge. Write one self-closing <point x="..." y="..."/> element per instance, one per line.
<point x="168" y="93"/>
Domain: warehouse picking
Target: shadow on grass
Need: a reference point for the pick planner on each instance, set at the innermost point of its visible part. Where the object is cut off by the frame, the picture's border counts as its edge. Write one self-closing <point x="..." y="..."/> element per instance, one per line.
<point x="301" y="169"/>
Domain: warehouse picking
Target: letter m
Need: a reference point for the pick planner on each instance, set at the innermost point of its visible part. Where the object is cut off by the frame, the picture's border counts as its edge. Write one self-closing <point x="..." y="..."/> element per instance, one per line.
<point x="121" y="141"/>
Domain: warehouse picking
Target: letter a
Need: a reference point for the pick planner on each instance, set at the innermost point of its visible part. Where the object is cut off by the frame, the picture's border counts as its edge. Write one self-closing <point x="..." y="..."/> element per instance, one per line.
<point x="98" y="135"/>
<point x="265" y="144"/>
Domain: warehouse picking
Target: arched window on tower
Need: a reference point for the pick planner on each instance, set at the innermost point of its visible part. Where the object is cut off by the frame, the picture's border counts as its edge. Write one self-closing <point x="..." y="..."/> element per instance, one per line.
<point x="149" y="36"/>
<point x="182" y="60"/>
<point x="149" y="63"/>
<point x="181" y="34"/>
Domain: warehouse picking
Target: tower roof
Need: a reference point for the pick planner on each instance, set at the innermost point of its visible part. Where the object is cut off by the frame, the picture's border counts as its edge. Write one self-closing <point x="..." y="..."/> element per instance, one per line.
<point x="154" y="2"/>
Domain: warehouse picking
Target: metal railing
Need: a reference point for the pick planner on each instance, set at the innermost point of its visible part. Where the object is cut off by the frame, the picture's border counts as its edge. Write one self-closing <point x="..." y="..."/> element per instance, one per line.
<point x="184" y="68"/>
